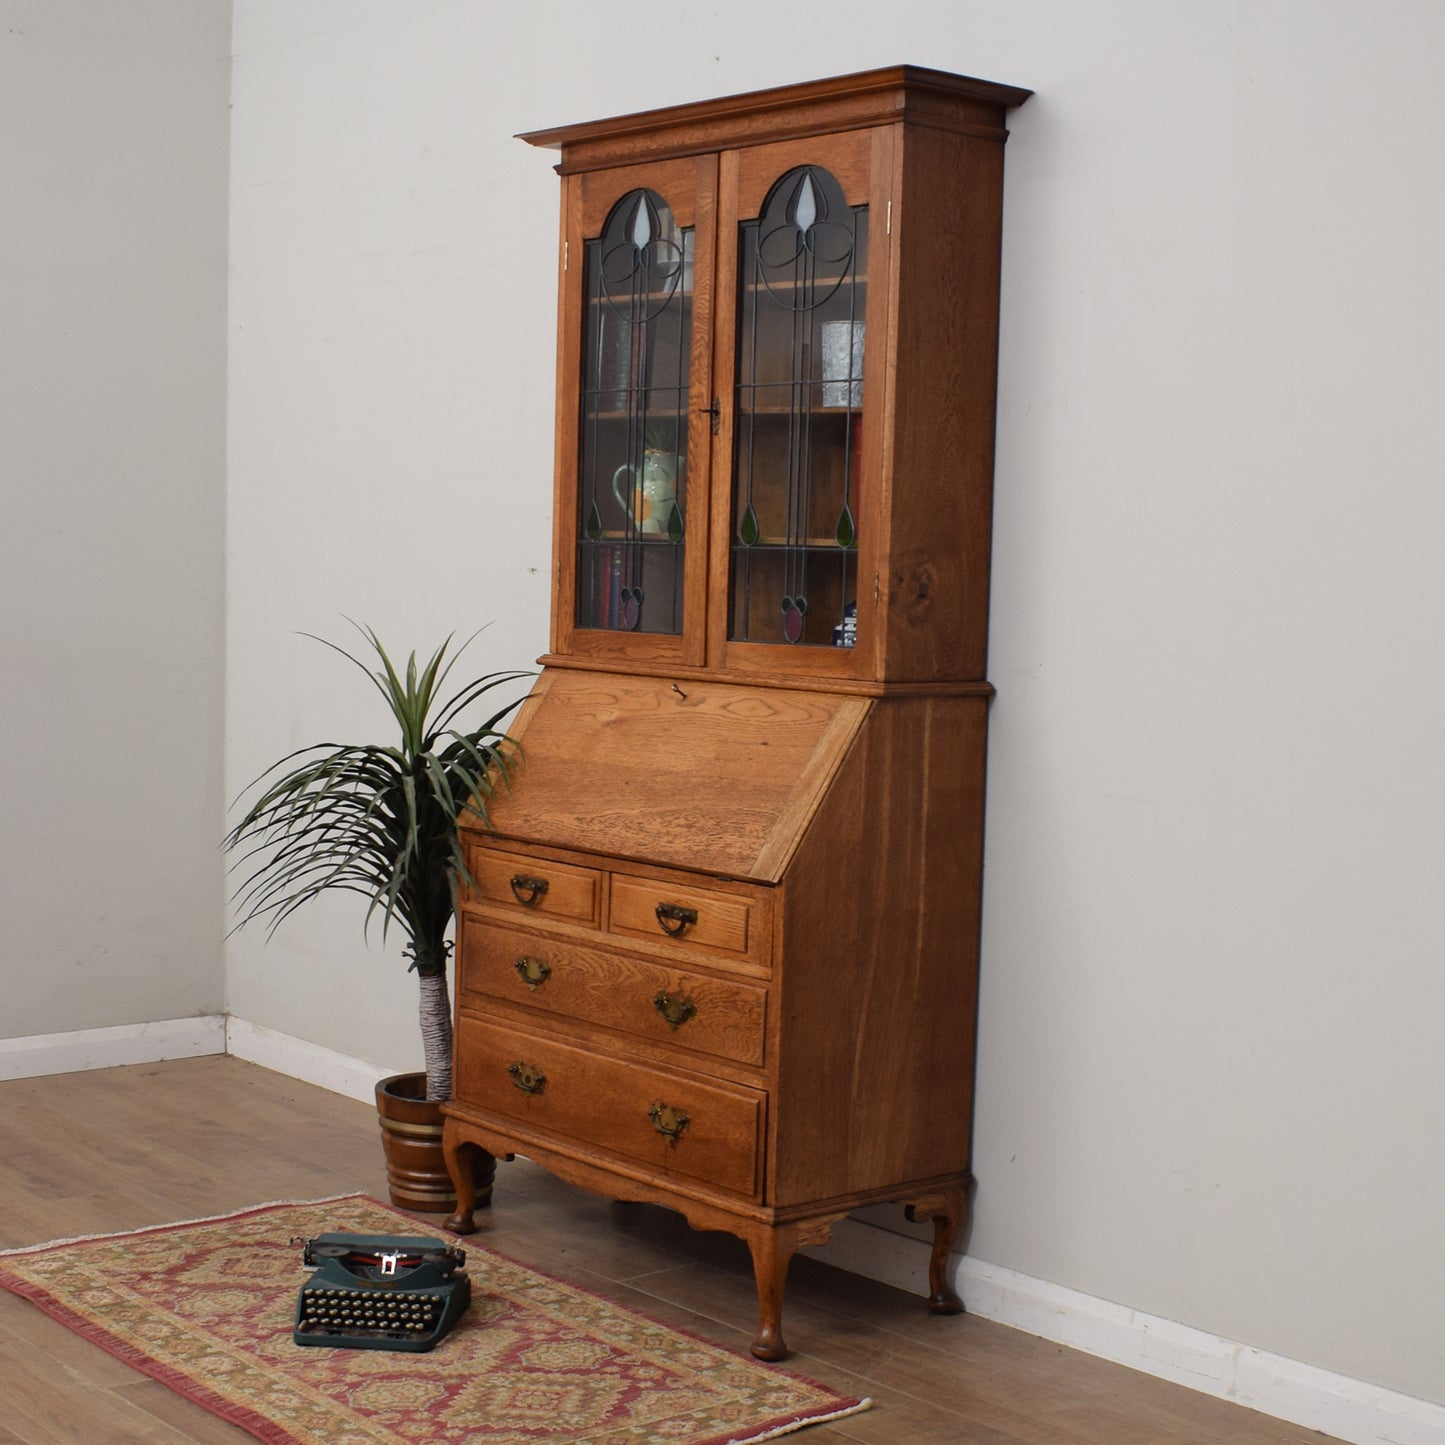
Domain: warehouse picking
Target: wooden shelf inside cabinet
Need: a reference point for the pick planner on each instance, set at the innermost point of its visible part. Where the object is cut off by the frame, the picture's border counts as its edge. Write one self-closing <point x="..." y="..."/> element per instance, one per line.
<point x="827" y="545"/>
<point x="738" y="973"/>
<point x="781" y="411"/>
<point x="749" y="286"/>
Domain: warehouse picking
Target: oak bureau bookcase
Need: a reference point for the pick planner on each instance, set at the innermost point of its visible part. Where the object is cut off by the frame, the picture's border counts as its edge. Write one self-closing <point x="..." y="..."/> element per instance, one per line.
<point x="720" y="951"/>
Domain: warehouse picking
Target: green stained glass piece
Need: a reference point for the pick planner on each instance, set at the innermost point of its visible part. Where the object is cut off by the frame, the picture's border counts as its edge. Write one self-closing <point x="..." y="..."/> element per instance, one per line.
<point x="593" y="528"/>
<point x="674" y="524"/>
<point x="748" y="532"/>
<point x="847" y="533"/>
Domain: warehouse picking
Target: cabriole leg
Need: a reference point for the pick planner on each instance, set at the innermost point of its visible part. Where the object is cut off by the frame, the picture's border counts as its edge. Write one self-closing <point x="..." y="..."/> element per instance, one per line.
<point x="772" y="1250"/>
<point x="947" y="1211"/>
<point x="458" y="1155"/>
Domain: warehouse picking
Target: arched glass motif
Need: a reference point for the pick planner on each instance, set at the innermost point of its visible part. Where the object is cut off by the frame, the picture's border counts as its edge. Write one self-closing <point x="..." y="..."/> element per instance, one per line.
<point x="802" y="288"/>
<point x="632" y="486"/>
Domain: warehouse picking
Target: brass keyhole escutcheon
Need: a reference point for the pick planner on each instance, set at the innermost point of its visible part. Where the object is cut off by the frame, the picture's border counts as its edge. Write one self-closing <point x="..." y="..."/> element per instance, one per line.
<point x="527" y="1077"/>
<point x="668" y="1122"/>
<point x="527" y="891"/>
<point x="672" y="918"/>
<point x="676" y="1010"/>
<point x="534" y="971"/>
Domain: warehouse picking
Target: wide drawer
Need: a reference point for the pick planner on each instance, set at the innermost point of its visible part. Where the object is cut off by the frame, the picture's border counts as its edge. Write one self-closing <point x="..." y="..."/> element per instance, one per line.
<point x="668" y="1005"/>
<point x="723" y="923"/>
<point x="535" y="886"/>
<point x="670" y="1122"/>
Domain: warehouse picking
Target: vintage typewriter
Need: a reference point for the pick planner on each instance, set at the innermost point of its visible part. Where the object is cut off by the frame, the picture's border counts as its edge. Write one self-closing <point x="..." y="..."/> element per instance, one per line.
<point x="380" y="1292"/>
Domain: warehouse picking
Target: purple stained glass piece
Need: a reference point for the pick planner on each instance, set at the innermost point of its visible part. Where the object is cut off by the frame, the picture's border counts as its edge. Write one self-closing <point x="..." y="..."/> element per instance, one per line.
<point x="793" y="618"/>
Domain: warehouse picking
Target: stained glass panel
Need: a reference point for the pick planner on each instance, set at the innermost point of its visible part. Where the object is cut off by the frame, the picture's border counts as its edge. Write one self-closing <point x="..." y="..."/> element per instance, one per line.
<point x="802" y="287"/>
<point x="632" y="486"/>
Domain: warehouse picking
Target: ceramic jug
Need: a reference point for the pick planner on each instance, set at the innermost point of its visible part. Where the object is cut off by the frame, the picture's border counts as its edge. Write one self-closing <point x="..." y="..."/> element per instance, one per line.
<point x="649" y="499"/>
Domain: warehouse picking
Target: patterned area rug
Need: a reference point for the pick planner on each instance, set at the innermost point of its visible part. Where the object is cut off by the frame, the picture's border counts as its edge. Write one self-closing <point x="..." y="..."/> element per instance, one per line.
<point x="207" y="1308"/>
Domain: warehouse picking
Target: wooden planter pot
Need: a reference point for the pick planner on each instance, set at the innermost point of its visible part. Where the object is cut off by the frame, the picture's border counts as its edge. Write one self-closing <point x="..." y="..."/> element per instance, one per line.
<point x="411" y="1136"/>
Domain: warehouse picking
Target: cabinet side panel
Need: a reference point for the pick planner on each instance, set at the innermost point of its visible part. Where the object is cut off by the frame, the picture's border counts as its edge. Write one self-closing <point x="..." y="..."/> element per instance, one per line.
<point x="878" y="972"/>
<point x="947" y="233"/>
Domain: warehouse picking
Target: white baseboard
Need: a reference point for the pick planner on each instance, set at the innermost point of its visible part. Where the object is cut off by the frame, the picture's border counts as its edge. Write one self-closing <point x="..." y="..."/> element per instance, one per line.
<point x="1348" y="1409"/>
<point x="312" y="1064"/>
<point x="69" y="1053"/>
<point x="1275" y="1385"/>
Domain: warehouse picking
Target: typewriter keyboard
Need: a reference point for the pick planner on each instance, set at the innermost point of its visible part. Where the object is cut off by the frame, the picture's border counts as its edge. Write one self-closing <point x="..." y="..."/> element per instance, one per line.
<point x="399" y="1314"/>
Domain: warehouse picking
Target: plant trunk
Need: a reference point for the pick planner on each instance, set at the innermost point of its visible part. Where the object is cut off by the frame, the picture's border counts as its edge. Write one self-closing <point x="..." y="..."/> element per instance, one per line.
<point x="436" y="1034"/>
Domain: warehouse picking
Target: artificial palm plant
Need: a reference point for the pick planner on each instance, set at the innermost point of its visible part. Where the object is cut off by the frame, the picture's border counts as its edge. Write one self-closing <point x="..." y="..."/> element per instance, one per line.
<point x="380" y="819"/>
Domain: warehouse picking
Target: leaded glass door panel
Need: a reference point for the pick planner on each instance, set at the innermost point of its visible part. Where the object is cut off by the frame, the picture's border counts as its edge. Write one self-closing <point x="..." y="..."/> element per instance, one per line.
<point x="797" y="526"/>
<point x="637" y="527"/>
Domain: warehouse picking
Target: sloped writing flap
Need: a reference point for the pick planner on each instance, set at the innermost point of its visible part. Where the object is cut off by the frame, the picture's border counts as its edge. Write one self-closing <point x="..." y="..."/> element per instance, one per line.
<point x="716" y="777"/>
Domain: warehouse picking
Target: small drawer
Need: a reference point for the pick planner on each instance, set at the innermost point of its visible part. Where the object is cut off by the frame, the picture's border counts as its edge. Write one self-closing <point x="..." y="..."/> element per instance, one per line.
<point x="671" y="1122"/>
<point x="535" y="886"/>
<point x="727" y="923"/>
<point x="666" y="1004"/>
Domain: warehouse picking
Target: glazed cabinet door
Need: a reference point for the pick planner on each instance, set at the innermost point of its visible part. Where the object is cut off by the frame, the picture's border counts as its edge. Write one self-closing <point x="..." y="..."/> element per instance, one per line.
<point x="634" y="419"/>
<point x="802" y="305"/>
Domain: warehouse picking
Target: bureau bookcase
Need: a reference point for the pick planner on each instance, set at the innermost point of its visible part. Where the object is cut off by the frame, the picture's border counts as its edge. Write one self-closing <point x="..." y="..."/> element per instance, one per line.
<point x="718" y="948"/>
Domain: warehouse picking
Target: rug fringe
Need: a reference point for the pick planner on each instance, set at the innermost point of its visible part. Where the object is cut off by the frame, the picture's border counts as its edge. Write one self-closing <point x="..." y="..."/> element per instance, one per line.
<point x="182" y="1223"/>
<point x="857" y="1408"/>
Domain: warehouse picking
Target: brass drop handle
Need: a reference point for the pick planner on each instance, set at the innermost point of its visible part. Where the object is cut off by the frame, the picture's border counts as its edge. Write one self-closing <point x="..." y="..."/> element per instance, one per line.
<point x="672" y="918"/>
<point x="676" y="1010"/>
<point x="668" y="1122"/>
<point x="534" y="971"/>
<point x="527" y="890"/>
<point x="528" y="1077"/>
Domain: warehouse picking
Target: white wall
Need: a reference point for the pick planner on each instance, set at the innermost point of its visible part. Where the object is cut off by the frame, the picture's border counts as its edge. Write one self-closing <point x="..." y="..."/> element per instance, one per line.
<point x="112" y="409"/>
<point x="390" y="419"/>
<point x="1211" y="1081"/>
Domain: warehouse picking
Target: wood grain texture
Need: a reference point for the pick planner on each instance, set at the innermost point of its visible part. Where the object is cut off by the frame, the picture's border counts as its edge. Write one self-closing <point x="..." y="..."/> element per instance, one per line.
<point x="535" y="887"/>
<point x="712" y="777"/>
<point x="598" y="985"/>
<point x="941" y="426"/>
<point x="874" y="97"/>
<point x="605" y="1103"/>
<point x="567" y="424"/>
<point x="878" y="958"/>
<point x="714" y="922"/>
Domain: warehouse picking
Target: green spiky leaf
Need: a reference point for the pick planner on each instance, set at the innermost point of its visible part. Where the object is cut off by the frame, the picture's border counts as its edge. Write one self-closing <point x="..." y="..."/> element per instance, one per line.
<point x="378" y="819"/>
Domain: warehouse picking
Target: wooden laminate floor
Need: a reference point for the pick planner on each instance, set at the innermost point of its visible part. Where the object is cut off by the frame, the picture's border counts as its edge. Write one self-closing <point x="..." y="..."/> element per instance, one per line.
<point x="118" y="1149"/>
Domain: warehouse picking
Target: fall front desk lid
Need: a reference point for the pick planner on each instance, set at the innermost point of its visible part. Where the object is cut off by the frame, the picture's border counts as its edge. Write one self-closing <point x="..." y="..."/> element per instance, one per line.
<point x="714" y="777"/>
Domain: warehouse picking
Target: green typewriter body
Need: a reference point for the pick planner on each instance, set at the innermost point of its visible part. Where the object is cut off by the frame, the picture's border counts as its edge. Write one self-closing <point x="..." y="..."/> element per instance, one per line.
<point x="380" y="1292"/>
